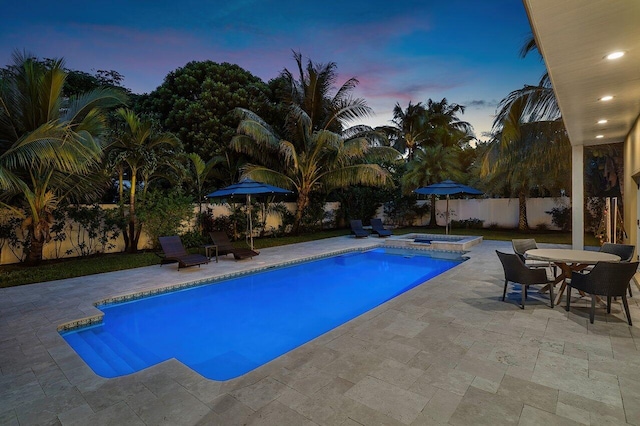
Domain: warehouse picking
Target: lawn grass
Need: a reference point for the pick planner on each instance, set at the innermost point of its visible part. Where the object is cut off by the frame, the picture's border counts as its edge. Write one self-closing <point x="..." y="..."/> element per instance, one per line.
<point x="16" y="274"/>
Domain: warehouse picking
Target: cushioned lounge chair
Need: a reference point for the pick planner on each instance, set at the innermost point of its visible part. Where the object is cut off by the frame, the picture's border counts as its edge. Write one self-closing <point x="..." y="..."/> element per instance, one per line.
<point x="357" y="229"/>
<point x="225" y="247"/>
<point x="605" y="279"/>
<point x="174" y="251"/>
<point x="517" y="272"/>
<point x="378" y="228"/>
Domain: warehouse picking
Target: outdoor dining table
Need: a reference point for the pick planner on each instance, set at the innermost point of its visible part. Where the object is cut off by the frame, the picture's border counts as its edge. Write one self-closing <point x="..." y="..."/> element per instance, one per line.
<point x="568" y="261"/>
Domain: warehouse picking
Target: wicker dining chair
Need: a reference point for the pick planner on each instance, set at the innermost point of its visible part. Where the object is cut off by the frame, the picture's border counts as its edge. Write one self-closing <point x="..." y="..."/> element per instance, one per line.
<point x="625" y="251"/>
<point x="517" y="272"/>
<point x="521" y="245"/>
<point x="608" y="279"/>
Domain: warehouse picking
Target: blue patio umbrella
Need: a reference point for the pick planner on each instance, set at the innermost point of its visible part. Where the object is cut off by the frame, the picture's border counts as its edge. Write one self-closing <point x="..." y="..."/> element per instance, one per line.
<point x="243" y="190"/>
<point x="447" y="187"/>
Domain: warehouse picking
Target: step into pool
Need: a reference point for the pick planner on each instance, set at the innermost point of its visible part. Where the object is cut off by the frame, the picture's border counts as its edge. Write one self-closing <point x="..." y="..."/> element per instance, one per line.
<point x="228" y="328"/>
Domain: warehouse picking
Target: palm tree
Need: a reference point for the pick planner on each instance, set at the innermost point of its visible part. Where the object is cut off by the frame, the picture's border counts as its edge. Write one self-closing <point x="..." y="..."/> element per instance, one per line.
<point x="524" y="155"/>
<point x="200" y="171"/>
<point x="409" y="129"/>
<point x="431" y="164"/>
<point x="319" y="160"/>
<point x="47" y="142"/>
<point x="541" y="103"/>
<point x="138" y="149"/>
<point x="443" y="115"/>
<point x="316" y="152"/>
<point x="310" y="92"/>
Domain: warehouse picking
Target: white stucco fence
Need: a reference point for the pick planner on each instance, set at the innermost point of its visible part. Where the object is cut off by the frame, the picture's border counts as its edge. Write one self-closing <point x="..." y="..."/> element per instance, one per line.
<point x="500" y="212"/>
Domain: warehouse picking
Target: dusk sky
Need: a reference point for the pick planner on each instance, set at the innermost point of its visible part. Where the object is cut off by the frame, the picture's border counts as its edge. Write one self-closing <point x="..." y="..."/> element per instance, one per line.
<point x="466" y="51"/>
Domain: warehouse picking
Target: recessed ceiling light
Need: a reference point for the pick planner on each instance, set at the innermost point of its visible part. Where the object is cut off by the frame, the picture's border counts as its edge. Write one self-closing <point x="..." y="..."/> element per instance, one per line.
<point x="606" y="98"/>
<point x="599" y="136"/>
<point x="615" y="55"/>
<point x="602" y="121"/>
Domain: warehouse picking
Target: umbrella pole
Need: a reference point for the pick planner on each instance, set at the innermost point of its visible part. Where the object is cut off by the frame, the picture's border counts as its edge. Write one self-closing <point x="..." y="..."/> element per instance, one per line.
<point x="250" y="224"/>
<point x="446" y="228"/>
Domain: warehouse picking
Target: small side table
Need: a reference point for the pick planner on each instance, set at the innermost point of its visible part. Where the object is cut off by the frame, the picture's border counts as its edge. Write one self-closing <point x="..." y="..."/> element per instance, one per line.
<point x="207" y="250"/>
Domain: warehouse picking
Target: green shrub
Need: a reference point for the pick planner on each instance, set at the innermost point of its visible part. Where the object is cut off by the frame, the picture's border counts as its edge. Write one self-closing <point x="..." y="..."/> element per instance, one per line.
<point x="165" y="214"/>
<point x="561" y="217"/>
<point x="473" y="223"/>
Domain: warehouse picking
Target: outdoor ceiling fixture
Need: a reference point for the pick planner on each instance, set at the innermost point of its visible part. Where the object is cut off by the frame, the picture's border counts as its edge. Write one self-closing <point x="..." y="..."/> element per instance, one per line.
<point x="599" y="136"/>
<point x="606" y="98"/>
<point x="603" y="121"/>
<point x="615" y="55"/>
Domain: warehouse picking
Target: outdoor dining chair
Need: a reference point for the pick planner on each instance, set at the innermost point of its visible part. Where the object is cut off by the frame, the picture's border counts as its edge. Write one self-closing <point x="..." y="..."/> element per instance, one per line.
<point x="608" y="279"/>
<point x="517" y="272"/>
<point x="521" y="245"/>
<point x="625" y="251"/>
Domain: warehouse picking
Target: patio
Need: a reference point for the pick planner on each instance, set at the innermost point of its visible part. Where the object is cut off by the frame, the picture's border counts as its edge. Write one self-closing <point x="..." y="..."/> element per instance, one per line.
<point x="446" y="352"/>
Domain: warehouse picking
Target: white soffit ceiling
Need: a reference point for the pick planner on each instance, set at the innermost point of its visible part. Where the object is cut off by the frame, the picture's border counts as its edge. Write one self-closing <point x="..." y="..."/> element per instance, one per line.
<point x="574" y="36"/>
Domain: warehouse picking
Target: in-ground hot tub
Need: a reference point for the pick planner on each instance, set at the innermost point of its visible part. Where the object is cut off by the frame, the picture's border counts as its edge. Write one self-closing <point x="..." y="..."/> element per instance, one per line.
<point x="435" y="242"/>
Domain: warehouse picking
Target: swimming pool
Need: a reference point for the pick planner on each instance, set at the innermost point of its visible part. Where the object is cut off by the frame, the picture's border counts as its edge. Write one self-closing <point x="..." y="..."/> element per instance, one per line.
<point x="231" y="327"/>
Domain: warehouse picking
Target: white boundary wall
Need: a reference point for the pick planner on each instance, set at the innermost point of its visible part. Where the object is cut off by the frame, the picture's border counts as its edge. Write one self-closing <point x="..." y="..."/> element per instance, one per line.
<point x="501" y="212"/>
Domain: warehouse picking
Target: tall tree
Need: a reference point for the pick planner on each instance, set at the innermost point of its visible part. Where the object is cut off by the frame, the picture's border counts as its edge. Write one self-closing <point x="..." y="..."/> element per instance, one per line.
<point x="314" y="153"/>
<point x="196" y="103"/>
<point x="136" y="151"/>
<point x="199" y="173"/>
<point x="409" y="129"/>
<point x="443" y="115"/>
<point x="525" y="155"/>
<point x="47" y="142"/>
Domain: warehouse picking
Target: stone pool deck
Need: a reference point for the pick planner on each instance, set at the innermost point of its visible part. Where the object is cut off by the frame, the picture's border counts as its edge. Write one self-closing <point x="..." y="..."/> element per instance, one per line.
<point x="447" y="352"/>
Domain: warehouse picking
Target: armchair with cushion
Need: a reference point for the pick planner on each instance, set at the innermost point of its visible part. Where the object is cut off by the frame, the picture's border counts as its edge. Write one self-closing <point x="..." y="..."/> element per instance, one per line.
<point x="517" y="272"/>
<point x="605" y="279"/>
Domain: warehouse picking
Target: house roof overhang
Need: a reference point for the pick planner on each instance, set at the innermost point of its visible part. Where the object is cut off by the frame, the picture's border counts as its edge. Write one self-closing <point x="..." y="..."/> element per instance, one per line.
<point x="574" y="37"/>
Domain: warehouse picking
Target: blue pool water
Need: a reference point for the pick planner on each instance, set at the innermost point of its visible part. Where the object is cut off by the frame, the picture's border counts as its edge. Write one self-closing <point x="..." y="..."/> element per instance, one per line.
<point x="226" y="329"/>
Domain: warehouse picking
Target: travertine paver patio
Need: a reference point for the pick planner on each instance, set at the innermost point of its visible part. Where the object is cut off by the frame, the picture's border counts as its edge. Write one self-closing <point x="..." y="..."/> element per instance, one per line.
<point x="446" y="352"/>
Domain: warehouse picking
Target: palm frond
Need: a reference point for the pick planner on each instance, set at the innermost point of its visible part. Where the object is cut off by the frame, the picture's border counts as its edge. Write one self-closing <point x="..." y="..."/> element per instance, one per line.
<point x="358" y="174"/>
<point x="81" y="105"/>
<point x="349" y="109"/>
<point x="269" y="176"/>
<point x="288" y="151"/>
<point x="259" y="133"/>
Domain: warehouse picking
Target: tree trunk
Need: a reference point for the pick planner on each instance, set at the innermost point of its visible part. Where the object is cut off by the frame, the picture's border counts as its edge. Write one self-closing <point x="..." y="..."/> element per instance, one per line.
<point x="301" y="204"/>
<point x="35" y="250"/>
<point x="523" y="225"/>
<point x="125" y="234"/>
<point x="432" y="211"/>
<point x="133" y="246"/>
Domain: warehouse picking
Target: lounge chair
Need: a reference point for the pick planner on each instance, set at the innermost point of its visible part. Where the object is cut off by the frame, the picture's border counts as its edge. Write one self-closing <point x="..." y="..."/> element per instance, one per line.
<point x="357" y="229"/>
<point x="225" y="247"/>
<point x="174" y="251"/>
<point x="378" y="228"/>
